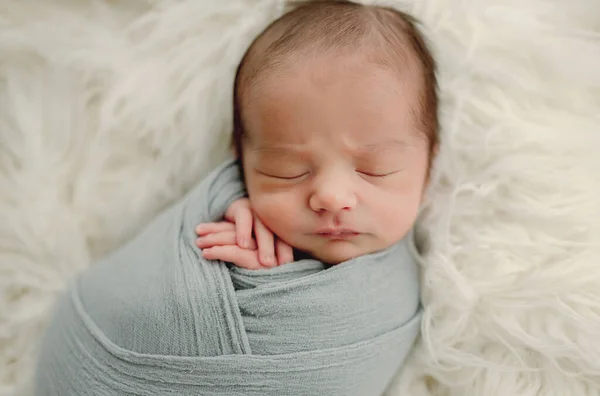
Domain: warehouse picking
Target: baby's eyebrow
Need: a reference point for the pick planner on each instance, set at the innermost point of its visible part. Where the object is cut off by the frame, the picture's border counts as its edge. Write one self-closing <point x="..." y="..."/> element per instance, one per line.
<point x="392" y="143"/>
<point x="280" y="148"/>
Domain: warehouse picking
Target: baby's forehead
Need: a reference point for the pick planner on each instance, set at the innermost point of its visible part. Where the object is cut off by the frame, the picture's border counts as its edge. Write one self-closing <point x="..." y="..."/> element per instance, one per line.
<point x="347" y="89"/>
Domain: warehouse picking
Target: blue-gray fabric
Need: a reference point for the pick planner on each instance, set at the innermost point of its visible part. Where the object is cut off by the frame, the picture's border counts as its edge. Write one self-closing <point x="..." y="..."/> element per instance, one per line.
<point x="155" y="318"/>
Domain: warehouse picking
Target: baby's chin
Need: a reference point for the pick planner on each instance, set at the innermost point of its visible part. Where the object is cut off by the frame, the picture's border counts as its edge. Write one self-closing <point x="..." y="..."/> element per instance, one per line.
<point x="341" y="251"/>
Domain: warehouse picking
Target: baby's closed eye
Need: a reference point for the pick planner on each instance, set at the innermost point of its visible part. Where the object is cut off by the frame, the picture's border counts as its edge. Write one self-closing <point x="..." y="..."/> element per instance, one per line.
<point x="377" y="173"/>
<point x="283" y="174"/>
<point x="379" y="166"/>
<point x="282" y="168"/>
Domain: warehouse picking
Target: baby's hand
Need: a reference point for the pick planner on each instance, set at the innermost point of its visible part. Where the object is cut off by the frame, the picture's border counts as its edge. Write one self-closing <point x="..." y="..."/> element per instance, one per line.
<point x="232" y="240"/>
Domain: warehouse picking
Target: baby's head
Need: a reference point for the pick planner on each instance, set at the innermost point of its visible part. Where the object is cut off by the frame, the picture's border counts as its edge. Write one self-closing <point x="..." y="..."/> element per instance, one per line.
<point x="335" y="114"/>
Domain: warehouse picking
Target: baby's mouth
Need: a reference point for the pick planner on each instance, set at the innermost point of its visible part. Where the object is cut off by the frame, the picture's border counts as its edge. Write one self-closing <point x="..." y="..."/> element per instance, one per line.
<point x="339" y="233"/>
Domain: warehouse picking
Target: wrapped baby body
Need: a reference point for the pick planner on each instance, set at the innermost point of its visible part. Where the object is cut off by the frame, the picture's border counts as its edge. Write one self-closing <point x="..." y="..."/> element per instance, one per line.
<point x="155" y="318"/>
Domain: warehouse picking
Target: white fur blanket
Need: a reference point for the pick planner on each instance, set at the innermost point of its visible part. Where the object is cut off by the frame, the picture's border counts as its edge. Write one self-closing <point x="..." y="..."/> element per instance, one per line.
<point x="109" y="110"/>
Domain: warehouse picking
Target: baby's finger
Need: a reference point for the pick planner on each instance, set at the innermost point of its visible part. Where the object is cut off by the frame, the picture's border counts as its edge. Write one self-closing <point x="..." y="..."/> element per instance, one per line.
<point x="219" y="239"/>
<point x="234" y="254"/>
<point x="266" y="244"/>
<point x="209" y="228"/>
<point x="241" y="214"/>
<point x="285" y="253"/>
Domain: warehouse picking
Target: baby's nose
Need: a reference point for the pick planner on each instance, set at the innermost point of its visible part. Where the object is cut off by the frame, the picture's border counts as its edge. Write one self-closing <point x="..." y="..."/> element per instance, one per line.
<point x="333" y="197"/>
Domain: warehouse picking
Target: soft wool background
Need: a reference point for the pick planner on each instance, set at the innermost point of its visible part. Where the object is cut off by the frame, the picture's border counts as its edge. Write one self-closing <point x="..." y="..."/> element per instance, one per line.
<point x="110" y="110"/>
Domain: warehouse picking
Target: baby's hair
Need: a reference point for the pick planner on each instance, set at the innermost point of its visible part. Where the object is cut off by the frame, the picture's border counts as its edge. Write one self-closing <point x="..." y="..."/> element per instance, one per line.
<point x="388" y="36"/>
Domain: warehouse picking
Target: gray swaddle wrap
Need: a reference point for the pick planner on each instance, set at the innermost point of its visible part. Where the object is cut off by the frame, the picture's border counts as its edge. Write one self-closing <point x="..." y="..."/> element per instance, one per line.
<point x="155" y="318"/>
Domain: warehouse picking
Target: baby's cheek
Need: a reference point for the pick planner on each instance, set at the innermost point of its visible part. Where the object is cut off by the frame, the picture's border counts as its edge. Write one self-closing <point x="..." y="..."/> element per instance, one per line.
<point x="395" y="217"/>
<point x="277" y="211"/>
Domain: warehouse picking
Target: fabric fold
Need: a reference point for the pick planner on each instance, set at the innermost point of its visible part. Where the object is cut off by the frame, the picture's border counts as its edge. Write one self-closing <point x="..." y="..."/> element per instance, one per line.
<point x="155" y="318"/>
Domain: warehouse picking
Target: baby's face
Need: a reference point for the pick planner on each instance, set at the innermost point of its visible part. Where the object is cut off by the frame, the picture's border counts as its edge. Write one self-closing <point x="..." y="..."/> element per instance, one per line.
<point x="334" y="164"/>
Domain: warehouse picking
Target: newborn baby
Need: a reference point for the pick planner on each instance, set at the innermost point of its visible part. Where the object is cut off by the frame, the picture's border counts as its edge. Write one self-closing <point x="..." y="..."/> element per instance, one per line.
<point x="335" y="130"/>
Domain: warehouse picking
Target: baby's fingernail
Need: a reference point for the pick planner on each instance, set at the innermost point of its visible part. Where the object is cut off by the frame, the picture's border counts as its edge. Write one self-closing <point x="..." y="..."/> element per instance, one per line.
<point x="268" y="260"/>
<point x="244" y="243"/>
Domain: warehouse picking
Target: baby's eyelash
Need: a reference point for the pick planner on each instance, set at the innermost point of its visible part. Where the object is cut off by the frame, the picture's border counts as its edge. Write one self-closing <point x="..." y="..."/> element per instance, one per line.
<point x="283" y="177"/>
<point x="290" y="177"/>
<point x="377" y="174"/>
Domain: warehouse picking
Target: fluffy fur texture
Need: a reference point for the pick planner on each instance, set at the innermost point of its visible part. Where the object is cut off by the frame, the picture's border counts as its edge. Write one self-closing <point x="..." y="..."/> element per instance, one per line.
<point x="111" y="110"/>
